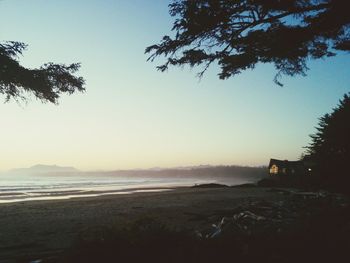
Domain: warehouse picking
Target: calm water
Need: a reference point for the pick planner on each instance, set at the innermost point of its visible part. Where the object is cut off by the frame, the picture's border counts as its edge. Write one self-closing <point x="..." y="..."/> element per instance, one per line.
<point x="16" y="188"/>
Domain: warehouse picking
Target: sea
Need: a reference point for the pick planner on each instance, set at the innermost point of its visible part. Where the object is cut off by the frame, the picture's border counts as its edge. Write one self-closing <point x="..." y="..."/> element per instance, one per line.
<point x="21" y="188"/>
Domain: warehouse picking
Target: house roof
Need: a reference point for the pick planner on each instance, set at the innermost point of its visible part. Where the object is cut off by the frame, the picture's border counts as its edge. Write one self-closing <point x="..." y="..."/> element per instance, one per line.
<point x="286" y="163"/>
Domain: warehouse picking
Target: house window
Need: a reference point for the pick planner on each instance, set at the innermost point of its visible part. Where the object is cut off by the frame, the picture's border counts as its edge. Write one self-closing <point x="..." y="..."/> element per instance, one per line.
<point x="274" y="169"/>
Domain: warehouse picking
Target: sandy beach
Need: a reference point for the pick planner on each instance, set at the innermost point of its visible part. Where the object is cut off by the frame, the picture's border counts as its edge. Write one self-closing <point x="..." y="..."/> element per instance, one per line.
<point x="44" y="229"/>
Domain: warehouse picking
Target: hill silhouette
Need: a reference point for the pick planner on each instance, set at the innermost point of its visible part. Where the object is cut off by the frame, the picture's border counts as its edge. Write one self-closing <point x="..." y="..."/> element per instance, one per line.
<point x="42" y="168"/>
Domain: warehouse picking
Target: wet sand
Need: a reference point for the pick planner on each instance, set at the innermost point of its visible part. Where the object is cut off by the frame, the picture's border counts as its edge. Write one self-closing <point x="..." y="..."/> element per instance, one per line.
<point x="71" y="194"/>
<point x="41" y="229"/>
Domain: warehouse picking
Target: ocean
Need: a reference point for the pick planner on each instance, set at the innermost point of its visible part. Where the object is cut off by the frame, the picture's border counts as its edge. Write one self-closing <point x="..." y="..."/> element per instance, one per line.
<point x="20" y="188"/>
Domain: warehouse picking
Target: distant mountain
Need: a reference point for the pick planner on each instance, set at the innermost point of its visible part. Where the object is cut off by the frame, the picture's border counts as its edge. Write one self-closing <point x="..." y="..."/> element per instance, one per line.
<point x="41" y="168"/>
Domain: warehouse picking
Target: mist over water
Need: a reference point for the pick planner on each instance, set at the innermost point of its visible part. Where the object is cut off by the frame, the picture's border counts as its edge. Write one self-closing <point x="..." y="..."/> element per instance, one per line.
<point x="24" y="188"/>
<point x="53" y="182"/>
<point x="16" y="188"/>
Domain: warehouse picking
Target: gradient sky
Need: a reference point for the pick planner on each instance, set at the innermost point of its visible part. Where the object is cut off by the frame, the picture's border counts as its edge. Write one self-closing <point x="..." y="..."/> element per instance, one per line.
<point x="132" y="116"/>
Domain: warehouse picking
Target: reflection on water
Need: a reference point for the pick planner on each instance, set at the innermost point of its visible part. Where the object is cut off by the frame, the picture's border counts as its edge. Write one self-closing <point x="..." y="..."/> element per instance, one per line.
<point x="14" y="199"/>
<point x="15" y="188"/>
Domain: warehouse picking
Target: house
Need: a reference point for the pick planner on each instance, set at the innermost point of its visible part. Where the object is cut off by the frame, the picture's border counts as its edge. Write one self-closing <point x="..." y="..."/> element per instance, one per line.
<point x="287" y="168"/>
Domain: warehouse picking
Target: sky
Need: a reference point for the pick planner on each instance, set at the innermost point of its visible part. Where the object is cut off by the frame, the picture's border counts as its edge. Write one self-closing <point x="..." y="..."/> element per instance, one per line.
<point x="133" y="116"/>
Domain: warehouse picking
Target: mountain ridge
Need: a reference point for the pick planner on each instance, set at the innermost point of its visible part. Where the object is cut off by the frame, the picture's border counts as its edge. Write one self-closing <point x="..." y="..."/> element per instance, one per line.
<point x="44" y="168"/>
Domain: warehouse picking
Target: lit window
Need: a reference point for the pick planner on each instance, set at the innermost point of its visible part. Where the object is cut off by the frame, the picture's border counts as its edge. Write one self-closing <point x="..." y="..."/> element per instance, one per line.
<point x="274" y="169"/>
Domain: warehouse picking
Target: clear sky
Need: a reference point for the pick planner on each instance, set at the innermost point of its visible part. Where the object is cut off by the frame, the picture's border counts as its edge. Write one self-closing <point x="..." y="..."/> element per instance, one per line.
<point x="132" y="116"/>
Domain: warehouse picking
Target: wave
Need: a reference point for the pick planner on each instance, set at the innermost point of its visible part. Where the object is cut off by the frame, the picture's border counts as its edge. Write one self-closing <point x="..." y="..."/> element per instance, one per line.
<point x="38" y="188"/>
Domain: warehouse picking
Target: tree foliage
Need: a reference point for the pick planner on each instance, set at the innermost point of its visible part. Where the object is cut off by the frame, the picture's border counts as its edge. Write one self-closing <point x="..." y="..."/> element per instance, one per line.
<point x="47" y="83"/>
<point x="330" y="146"/>
<point x="238" y="34"/>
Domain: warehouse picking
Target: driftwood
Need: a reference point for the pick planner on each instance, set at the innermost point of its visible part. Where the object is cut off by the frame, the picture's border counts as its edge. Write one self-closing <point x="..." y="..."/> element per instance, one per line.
<point x="269" y="217"/>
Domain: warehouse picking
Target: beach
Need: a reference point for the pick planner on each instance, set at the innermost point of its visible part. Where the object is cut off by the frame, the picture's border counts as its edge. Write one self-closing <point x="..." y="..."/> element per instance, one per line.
<point x="40" y="230"/>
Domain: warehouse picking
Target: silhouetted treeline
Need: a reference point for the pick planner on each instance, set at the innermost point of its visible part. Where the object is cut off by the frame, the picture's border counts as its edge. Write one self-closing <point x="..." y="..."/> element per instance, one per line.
<point x="330" y="148"/>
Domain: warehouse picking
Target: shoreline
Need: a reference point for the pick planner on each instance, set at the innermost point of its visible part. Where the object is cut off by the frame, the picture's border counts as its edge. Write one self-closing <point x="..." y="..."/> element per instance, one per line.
<point x="11" y="196"/>
<point x="72" y="194"/>
<point x="14" y="197"/>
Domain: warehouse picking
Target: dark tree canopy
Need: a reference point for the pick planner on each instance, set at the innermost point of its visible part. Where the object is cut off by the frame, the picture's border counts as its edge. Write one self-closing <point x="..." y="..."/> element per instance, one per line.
<point x="330" y="146"/>
<point x="238" y="34"/>
<point x="47" y="83"/>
